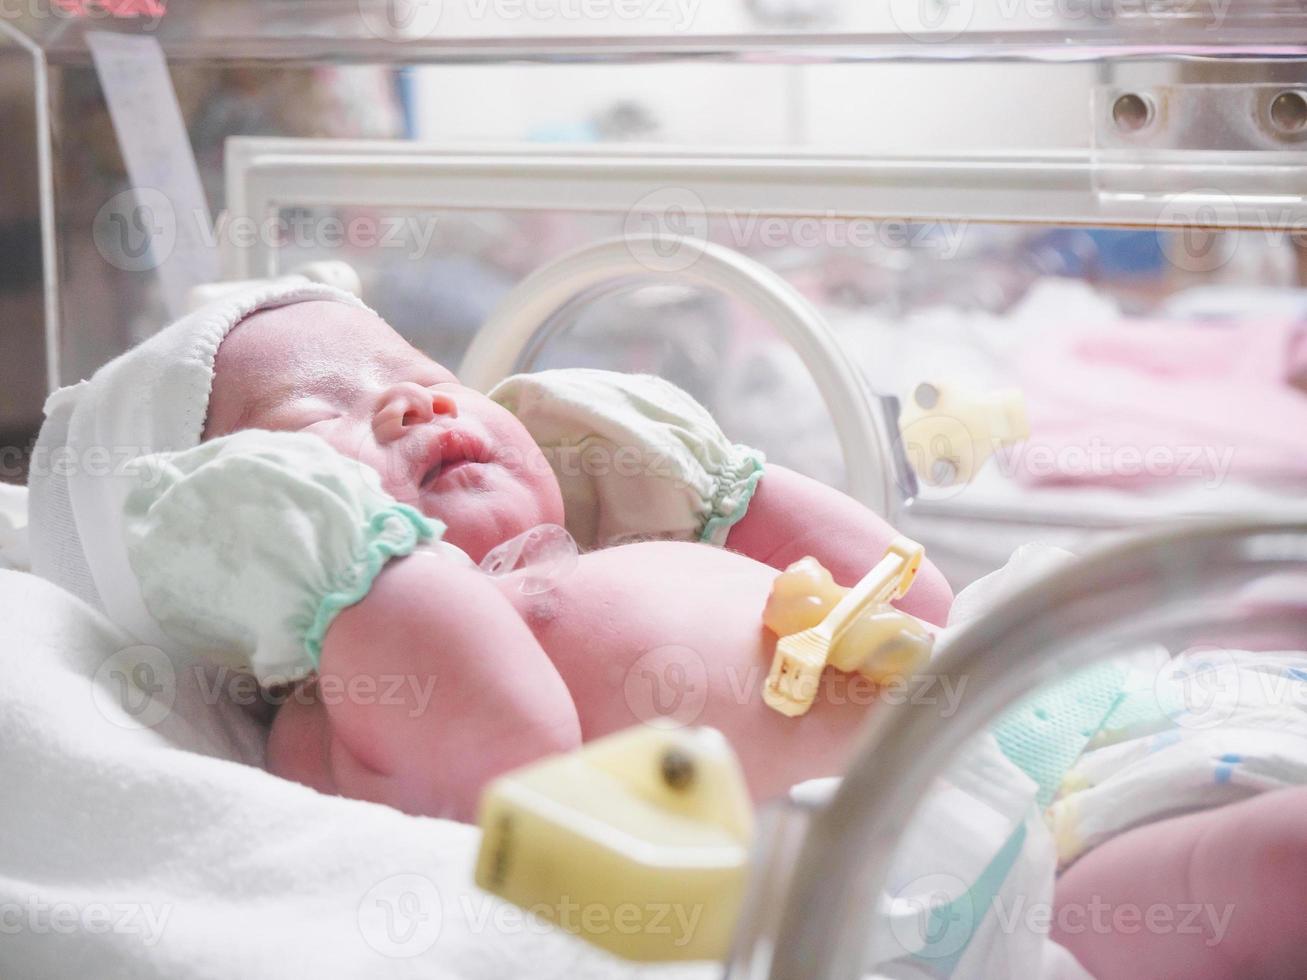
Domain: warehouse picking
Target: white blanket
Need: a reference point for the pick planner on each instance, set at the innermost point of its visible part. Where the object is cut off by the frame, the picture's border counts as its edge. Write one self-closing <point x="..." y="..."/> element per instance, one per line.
<point x="139" y="838"/>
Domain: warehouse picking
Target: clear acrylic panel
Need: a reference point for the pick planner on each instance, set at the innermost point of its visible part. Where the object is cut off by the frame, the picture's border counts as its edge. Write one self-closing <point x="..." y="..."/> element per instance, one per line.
<point x="1154" y="363"/>
<point x="1033" y="195"/>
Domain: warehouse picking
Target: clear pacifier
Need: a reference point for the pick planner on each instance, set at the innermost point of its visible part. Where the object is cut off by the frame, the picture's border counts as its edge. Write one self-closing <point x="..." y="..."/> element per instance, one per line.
<point x="546" y="553"/>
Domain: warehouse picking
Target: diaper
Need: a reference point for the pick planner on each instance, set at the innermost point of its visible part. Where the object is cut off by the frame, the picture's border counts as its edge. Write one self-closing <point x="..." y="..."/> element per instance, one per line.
<point x="976" y="863"/>
<point x="1204" y="729"/>
<point x="636" y="457"/>
<point x="246" y="547"/>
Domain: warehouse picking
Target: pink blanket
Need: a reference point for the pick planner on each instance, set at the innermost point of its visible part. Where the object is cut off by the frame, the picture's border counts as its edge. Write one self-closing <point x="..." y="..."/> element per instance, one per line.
<point x="1153" y="402"/>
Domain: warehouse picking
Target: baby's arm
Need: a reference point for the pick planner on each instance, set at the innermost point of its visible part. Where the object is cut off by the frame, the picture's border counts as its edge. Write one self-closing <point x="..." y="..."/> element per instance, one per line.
<point x="428" y="688"/>
<point x="791" y="516"/>
<point x="1216" y="894"/>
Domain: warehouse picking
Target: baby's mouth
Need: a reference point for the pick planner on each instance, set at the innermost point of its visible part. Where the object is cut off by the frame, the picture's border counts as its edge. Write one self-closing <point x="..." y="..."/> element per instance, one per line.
<point x="449" y="451"/>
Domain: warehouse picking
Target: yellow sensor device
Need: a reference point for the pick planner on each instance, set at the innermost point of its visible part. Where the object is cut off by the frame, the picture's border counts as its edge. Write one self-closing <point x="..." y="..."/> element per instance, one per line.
<point x="638" y="842"/>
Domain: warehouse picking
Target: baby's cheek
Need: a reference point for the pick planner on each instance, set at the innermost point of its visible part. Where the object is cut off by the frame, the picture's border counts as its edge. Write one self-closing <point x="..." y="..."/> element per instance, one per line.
<point x="518" y="454"/>
<point x="531" y="499"/>
<point x="358" y="443"/>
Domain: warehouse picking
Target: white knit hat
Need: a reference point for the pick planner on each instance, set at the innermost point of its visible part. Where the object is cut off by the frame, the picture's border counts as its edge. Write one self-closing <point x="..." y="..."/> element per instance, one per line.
<point x="153" y="398"/>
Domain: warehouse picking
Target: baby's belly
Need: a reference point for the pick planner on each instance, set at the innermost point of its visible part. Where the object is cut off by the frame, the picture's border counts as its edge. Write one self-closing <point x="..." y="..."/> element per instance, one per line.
<point x="641" y="633"/>
<point x="671" y="634"/>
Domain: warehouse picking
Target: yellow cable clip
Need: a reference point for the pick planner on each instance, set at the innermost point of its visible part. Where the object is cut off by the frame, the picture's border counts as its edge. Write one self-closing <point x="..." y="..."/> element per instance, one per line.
<point x="856" y="629"/>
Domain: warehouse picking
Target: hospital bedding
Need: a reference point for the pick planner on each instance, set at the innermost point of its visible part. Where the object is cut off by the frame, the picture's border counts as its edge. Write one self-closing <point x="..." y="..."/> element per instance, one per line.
<point x="13" y="526"/>
<point x="139" y="837"/>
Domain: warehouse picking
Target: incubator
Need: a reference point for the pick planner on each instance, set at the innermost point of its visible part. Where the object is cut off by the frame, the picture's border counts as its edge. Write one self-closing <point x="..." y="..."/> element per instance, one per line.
<point x="1003" y="272"/>
<point x="1045" y="200"/>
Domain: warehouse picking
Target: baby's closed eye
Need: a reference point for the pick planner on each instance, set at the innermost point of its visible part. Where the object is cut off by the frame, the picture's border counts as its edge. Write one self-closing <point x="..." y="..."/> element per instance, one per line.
<point x="297" y="415"/>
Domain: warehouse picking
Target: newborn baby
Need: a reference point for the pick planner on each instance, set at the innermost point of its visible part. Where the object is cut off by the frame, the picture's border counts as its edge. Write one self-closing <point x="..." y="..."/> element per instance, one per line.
<point x="517" y="676"/>
<point x="520" y="675"/>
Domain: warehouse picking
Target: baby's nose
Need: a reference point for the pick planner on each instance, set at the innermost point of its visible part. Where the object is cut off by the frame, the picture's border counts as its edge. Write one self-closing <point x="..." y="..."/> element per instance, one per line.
<point x="407" y="404"/>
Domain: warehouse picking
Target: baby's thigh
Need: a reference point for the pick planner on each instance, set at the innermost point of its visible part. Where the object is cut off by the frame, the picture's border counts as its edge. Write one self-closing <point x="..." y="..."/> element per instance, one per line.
<point x="1216" y="894"/>
<point x="1252" y="858"/>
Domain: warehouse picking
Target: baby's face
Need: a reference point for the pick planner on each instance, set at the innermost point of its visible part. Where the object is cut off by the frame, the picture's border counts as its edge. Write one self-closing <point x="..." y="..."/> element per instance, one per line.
<point x="343" y="374"/>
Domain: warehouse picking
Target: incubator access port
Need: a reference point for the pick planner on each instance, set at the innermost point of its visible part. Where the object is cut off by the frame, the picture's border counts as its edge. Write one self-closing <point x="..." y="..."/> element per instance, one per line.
<point x="948" y="433"/>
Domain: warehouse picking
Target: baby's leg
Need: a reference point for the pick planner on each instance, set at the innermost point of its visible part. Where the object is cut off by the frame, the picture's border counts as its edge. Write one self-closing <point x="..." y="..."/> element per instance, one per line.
<point x="1222" y="893"/>
<point x="428" y="688"/>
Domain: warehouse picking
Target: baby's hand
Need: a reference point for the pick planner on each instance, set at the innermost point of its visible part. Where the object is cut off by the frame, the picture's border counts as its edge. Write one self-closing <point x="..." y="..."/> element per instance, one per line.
<point x="791" y="516"/>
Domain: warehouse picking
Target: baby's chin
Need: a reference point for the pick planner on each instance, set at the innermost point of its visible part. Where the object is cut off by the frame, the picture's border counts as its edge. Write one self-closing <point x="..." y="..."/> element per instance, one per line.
<point x="481" y="511"/>
<point x="475" y="542"/>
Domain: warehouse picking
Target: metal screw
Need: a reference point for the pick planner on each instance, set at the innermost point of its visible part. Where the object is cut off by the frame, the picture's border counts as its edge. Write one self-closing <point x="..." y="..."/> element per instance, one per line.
<point x="1132" y="112"/>
<point x="1289" y="112"/>
<point x="677" y="768"/>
